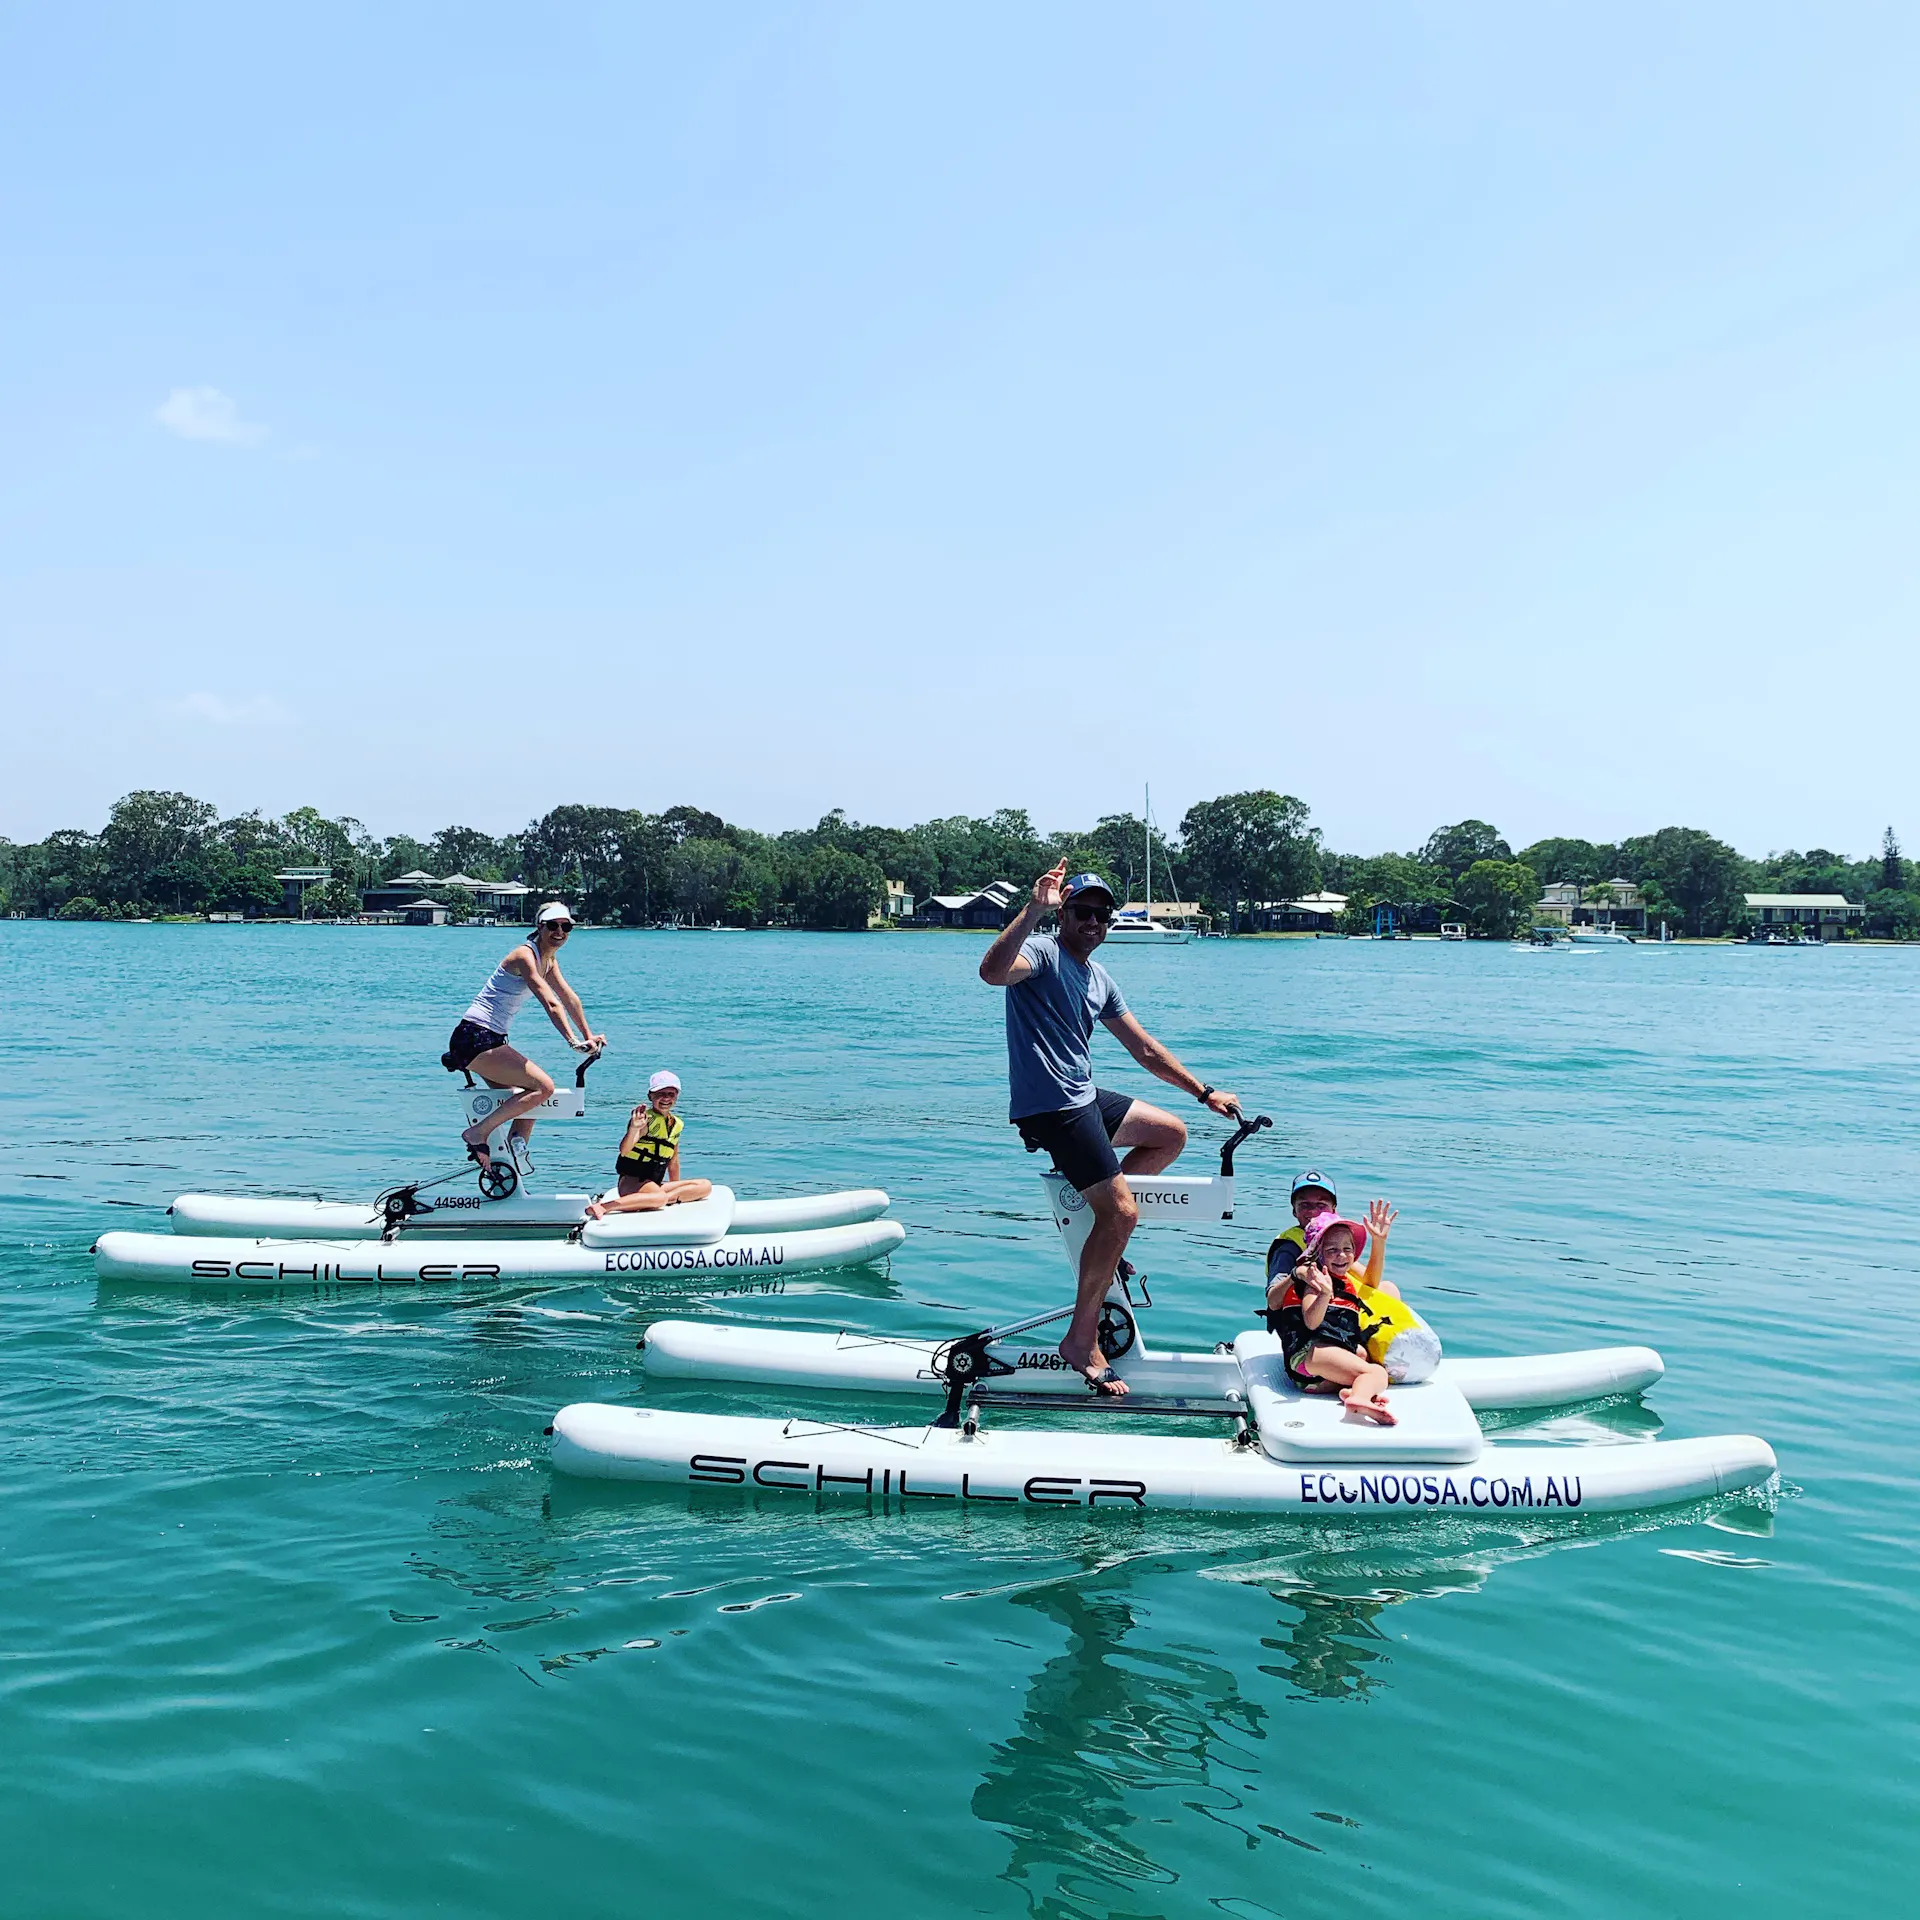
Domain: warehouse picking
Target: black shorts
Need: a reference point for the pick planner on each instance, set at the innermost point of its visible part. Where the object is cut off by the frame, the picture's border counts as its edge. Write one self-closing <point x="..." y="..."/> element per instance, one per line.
<point x="1080" y="1139"/>
<point x="470" y="1040"/>
<point x="1340" y="1328"/>
<point x="650" y="1173"/>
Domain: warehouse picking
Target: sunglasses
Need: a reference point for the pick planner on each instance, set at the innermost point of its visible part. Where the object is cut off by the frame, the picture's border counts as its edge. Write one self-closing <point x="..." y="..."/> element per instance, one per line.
<point x="1091" y="911"/>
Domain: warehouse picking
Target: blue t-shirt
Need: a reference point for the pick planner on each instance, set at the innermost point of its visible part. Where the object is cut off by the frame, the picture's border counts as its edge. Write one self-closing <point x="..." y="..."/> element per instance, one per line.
<point x="1050" y="1016"/>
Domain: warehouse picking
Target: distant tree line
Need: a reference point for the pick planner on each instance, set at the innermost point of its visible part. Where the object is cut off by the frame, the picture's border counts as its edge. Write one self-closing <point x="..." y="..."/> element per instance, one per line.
<point x="170" y="853"/>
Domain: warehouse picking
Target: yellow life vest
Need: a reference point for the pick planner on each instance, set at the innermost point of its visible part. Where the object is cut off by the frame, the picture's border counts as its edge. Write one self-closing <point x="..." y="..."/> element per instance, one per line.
<point x="659" y="1140"/>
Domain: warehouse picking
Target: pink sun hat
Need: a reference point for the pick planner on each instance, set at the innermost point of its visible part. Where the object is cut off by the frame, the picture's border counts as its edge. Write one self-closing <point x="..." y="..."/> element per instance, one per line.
<point x="1323" y="1224"/>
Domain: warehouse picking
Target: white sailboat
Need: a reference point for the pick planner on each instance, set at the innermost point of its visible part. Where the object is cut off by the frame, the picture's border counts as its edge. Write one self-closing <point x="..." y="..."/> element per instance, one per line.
<point x="1132" y="927"/>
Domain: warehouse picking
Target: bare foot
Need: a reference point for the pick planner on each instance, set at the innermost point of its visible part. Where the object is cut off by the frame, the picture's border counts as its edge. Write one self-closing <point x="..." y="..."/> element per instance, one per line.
<point x="1096" y="1373"/>
<point x="1372" y="1405"/>
<point x="478" y="1148"/>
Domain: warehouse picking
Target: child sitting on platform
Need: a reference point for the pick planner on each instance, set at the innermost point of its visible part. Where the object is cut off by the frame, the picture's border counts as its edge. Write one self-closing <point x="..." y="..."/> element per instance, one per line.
<point x="648" y="1166"/>
<point x="1320" y="1310"/>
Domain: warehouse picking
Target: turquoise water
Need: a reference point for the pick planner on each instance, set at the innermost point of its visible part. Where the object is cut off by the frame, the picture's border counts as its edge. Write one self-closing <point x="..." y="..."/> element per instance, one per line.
<point x="297" y="1621"/>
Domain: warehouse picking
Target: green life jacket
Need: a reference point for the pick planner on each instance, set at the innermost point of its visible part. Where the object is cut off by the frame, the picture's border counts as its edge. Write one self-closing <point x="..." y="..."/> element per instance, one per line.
<point x="661" y="1139"/>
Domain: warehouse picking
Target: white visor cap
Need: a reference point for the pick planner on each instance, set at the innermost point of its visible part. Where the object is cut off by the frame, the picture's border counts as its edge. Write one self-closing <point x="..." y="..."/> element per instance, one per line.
<point x="664" y="1079"/>
<point x="553" y="910"/>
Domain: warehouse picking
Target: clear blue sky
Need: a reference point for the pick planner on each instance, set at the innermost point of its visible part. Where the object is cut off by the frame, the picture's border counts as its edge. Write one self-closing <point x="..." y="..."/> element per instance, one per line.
<point x="435" y="413"/>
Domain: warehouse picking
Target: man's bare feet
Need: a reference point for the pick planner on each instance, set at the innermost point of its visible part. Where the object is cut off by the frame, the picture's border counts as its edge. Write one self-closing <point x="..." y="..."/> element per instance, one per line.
<point x="1372" y="1405"/>
<point x="1096" y="1373"/>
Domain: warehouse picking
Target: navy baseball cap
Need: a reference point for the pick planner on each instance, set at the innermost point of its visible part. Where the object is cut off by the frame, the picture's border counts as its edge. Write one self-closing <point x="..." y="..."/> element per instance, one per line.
<point x="1086" y="883"/>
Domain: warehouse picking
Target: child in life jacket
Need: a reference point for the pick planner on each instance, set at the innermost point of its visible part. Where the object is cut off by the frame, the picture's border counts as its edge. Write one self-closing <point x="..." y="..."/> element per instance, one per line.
<point x="1321" y="1310"/>
<point x="648" y="1166"/>
<point x="1312" y="1194"/>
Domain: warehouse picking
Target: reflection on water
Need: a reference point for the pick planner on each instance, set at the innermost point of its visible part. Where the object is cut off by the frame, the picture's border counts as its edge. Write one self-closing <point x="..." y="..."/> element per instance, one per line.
<point x="1333" y="1645"/>
<point x="1124" y="1735"/>
<point x="1107" y="1725"/>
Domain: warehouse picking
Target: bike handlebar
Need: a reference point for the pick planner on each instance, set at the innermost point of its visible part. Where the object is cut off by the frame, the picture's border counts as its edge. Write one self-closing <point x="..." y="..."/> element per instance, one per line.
<point x="1245" y="1130"/>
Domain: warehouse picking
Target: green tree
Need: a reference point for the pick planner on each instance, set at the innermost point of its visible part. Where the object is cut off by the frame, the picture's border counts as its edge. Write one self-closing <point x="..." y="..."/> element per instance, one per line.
<point x="1700" y="876"/>
<point x="833" y="889"/>
<point x="458" y="903"/>
<point x="337" y="900"/>
<point x="700" y="876"/>
<point x="467" y="850"/>
<point x="1117" y="847"/>
<point x="693" y="823"/>
<point x="150" y="833"/>
<point x="575" y="850"/>
<point x="404" y="854"/>
<point x="1584" y="863"/>
<point x="1454" y="849"/>
<point x="1498" y="897"/>
<point x="83" y="907"/>
<point x="1893" y="914"/>
<point x="1818" y="870"/>
<point x="66" y="864"/>
<point x="1251" y="846"/>
<point x="251" y="837"/>
<point x="753" y="888"/>
<point x="246" y="889"/>
<point x="1893" y="869"/>
<point x="312" y="840"/>
<point x="1397" y="880"/>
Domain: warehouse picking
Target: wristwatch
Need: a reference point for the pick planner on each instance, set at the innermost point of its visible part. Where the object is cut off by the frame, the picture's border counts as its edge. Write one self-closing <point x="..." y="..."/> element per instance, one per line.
<point x="1204" y="1095"/>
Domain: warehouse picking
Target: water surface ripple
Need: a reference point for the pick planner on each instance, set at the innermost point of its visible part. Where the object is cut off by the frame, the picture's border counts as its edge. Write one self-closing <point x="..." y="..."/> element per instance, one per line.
<point x="298" y="1622"/>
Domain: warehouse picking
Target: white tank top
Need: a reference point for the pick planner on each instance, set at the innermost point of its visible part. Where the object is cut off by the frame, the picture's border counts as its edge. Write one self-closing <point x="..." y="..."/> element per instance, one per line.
<point x="495" y="1005"/>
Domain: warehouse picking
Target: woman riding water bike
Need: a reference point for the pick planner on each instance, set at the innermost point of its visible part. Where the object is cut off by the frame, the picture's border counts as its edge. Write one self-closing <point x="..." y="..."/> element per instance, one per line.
<point x="479" y="1042"/>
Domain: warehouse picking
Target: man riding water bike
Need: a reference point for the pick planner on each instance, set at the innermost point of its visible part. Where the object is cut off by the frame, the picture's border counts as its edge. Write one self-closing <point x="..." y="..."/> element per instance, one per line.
<point x="1056" y="990"/>
<point x="479" y="1042"/>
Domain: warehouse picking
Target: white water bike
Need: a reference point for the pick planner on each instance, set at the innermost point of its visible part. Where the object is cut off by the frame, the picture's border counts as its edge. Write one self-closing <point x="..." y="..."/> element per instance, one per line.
<point x="481" y="1223"/>
<point x="1283" y="1448"/>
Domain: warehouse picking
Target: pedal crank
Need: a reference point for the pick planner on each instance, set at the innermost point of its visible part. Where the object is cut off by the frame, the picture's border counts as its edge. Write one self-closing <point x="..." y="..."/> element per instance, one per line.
<point x="1118" y="1331"/>
<point x="963" y="1364"/>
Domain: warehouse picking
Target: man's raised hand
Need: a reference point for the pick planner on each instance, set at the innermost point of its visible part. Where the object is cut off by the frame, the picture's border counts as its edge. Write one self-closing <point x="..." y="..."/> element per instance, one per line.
<point x="1046" y="890"/>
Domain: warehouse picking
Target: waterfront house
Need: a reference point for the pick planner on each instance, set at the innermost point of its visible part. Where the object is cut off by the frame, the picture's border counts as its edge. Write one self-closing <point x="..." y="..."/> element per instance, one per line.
<point x="398" y="894"/>
<point x="896" y="900"/>
<point x="294" y="883"/>
<point x="1823" y="915"/>
<point x="992" y="907"/>
<point x="1616" y="906"/>
<point x="402" y="895"/>
<point x="498" y="899"/>
<point x="1311" y="913"/>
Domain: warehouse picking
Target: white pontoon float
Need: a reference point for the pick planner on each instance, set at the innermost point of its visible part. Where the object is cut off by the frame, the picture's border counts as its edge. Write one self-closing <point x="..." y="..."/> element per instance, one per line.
<point x="439" y="1230"/>
<point x="1285" y="1450"/>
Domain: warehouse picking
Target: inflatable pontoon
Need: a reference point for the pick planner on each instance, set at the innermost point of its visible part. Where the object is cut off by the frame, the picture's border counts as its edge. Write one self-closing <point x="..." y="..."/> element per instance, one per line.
<point x="440" y="1230"/>
<point x="1284" y="1450"/>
